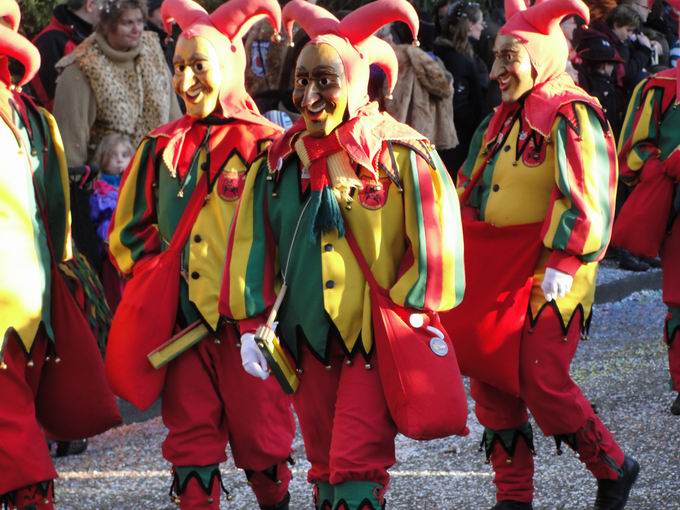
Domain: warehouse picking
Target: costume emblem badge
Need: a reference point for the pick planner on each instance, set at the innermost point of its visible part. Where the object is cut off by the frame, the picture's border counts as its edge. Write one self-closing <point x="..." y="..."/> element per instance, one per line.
<point x="230" y="185"/>
<point x="439" y="346"/>
<point x="374" y="194"/>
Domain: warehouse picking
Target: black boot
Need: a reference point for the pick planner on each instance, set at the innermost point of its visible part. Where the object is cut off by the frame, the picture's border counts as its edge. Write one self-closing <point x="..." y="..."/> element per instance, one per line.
<point x="512" y="505"/>
<point x="631" y="263"/>
<point x="675" y="406"/>
<point x="613" y="494"/>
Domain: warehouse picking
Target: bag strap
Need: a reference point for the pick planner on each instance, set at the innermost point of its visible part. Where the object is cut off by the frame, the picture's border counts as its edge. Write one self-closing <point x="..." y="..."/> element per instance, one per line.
<point x="363" y="263"/>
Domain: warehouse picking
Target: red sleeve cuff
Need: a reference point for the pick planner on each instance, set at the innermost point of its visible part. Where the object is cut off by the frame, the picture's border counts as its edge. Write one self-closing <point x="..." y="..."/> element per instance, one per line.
<point x="250" y="324"/>
<point x="564" y="262"/>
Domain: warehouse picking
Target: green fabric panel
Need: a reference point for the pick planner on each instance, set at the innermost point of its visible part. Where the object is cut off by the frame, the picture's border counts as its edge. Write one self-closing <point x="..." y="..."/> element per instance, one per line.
<point x="480" y="195"/>
<point x="127" y="236"/>
<point x="475" y="148"/>
<point x="324" y="494"/>
<point x="45" y="185"/>
<point x="254" y="298"/>
<point x="568" y="218"/>
<point x="303" y="305"/>
<point x="353" y="494"/>
<point x="669" y="132"/>
<point x="627" y="130"/>
<point x="416" y="296"/>
<point x="170" y="209"/>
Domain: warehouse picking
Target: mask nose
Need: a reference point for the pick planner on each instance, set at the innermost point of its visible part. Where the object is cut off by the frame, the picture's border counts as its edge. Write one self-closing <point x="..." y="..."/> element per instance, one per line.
<point x="311" y="95"/>
<point x="497" y="70"/>
<point x="186" y="80"/>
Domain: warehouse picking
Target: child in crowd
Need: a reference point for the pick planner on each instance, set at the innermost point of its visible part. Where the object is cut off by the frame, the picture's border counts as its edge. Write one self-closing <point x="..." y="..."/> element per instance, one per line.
<point x="111" y="157"/>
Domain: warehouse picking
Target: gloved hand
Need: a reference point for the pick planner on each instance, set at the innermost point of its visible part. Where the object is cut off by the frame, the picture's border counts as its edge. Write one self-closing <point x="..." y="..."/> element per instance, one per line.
<point x="556" y="284"/>
<point x="252" y="359"/>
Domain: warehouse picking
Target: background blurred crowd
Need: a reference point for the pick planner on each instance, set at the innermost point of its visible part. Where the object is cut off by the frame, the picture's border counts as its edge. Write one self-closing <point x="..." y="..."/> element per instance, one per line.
<point x="107" y="65"/>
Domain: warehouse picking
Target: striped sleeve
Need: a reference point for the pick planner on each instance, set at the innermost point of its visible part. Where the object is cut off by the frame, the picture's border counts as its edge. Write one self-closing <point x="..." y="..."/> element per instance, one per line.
<point x="133" y="232"/>
<point x="248" y="285"/>
<point x="431" y="275"/>
<point x="638" y="142"/>
<point x="58" y="198"/>
<point x="579" y="218"/>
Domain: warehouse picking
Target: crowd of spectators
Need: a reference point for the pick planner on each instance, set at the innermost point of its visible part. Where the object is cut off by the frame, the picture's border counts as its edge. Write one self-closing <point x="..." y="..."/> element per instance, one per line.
<point x="106" y="70"/>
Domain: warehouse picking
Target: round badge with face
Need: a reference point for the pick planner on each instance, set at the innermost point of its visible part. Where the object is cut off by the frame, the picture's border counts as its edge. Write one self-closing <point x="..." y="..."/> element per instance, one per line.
<point x="439" y="346"/>
<point x="230" y="185"/>
<point x="197" y="75"/>
<point x="373" y="195"/>
<point x="512" y="68"/>
<point x="320" y="91"/>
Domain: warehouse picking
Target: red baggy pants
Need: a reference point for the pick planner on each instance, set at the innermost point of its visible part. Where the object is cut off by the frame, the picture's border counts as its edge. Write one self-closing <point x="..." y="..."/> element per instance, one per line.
<point x="346" y="427"/>
<point x="24" y="455"/>
<point x="671" y="337"/>
<point x="209" y="401"/>
<point x="553" y="398"/>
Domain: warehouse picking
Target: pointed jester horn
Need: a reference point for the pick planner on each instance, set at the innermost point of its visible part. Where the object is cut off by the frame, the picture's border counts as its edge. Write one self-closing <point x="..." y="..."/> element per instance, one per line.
<point x="547" y="15"/>
<point x="17" y="46"/>
<point x="236" y="17"/>
<point x="183" y="12"/>
<point x="364" y="21"/>
<point x="313" y="19"/>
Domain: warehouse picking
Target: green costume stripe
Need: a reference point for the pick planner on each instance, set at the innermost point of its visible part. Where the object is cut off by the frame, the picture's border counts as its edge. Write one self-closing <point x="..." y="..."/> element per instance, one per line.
<point x="416" y="296"/>
<point x="140" y="205"/>
<point x="254" y="298"/>
<point x="569" y="217"/>
<point x="452" y="198"/>
<point x="597" y="166"/>
<point x="628" y="128"/>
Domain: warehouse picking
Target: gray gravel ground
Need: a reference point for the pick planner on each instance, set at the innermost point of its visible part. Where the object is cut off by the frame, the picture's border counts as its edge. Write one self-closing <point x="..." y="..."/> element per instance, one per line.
<point x="622" y="369"/>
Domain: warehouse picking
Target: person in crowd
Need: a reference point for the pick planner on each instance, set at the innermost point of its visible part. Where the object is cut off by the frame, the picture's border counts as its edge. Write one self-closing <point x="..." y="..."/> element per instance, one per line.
<point x="622" y="29"/>
<point x="115" y="81"/>
<point x="265" y="57"/>
<point x="422" y="97"/>
<point x="207" y="398"/>
<point x="35" y="229"/>
<point x="112" y="157"/>
<point x="294" y="224"/>
<point x="596" y="75"/>
<point x="465" y="22"/>
<point x="649" y="148"/>
<point x="600" y="9"/>
<point x="72" y="21"/>
<point x="544" y="166"/>
<point x="154" y="23"/>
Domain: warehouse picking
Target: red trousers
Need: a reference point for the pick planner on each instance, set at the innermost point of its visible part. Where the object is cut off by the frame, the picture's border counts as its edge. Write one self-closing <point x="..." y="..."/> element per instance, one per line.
<point x="673" y="346"/>
<point x="346" y="427"/>
<point x="209" y="401"/>
<point x="24" y="456"/>
<point x="553" y="398"/>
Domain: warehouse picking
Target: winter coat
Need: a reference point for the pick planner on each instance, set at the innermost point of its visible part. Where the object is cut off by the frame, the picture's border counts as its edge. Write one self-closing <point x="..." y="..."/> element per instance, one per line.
<point x="422" y="97"/>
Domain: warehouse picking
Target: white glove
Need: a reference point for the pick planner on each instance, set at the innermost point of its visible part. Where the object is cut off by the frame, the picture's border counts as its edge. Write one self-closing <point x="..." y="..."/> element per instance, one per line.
<point x="556" y="284"/>
<point x="252" y="359"/>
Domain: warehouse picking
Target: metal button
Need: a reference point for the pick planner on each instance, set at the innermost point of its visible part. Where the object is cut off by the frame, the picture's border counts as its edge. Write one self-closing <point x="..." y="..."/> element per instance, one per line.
<point x="197" y="238"/>
<point x="195" y="275"/>
<point x="506" y="148"/>
<point x="496" y="187"/>
<point x="328" y="247"/>
<point x="204" y="166"/>
<point x="330" y="284"/>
